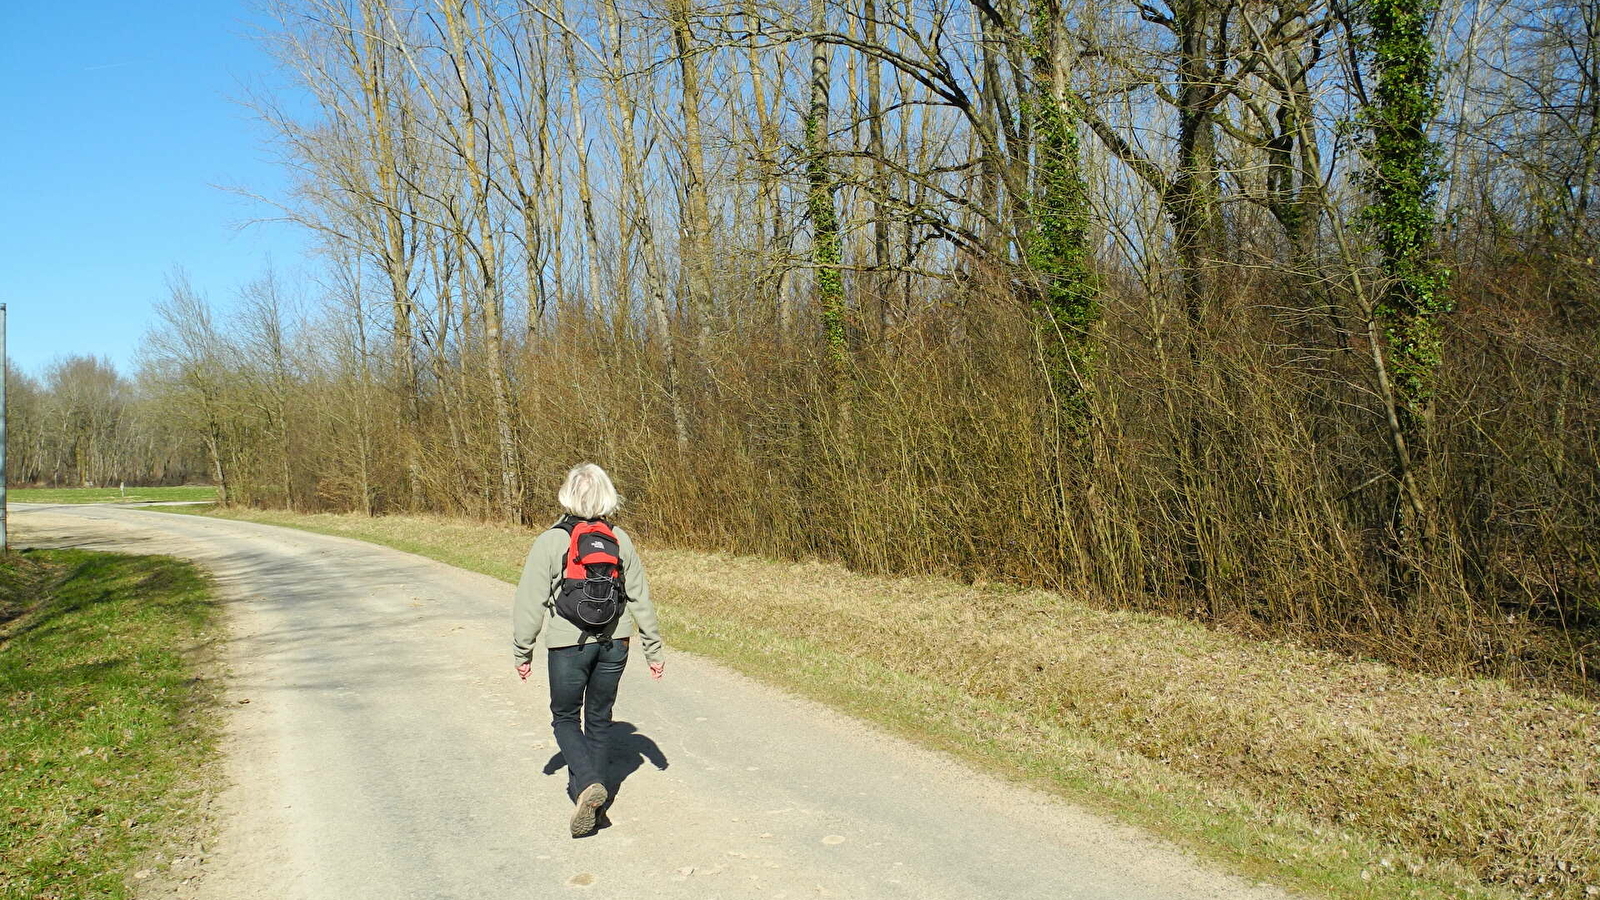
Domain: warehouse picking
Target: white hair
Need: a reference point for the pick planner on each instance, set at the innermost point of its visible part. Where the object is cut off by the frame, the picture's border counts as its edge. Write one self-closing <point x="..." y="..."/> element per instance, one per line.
<point x="588" y="493"/>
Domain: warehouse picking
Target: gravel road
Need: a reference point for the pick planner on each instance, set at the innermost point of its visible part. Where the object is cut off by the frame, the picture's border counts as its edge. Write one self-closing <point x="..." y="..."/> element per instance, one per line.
<point x="388" y="751"/>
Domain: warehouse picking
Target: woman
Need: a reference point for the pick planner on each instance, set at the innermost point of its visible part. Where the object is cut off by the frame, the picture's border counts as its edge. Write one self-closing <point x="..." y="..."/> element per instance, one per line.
<point x="585" y="664"/>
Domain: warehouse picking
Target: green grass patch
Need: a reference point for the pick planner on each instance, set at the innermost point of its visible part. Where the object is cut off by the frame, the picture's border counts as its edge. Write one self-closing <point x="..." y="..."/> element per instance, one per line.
<point x="103" y="720"/>
<point x="1333" y="776"/>
<point x="188" y="493"/>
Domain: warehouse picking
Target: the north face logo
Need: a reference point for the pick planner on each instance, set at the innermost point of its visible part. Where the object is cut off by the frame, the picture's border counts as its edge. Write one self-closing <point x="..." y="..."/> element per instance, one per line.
<point x="597" y="545"/>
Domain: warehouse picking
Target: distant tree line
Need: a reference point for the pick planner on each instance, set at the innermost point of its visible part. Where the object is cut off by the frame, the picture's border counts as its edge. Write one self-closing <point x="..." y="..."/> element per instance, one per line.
<point x="1277" y="313"/>
<point x="82" y="423"/>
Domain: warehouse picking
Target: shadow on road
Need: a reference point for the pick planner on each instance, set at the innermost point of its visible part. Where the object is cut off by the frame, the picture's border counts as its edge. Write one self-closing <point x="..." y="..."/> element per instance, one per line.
<point x="629" y="750"/>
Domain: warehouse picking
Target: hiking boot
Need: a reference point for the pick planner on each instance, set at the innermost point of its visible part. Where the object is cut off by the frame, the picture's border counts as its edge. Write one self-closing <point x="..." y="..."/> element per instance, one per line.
<point x="589" y="803"/>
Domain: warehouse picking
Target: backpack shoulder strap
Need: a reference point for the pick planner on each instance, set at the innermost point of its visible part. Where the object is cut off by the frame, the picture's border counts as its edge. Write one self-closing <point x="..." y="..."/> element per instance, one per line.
<point x="566" y="523"/>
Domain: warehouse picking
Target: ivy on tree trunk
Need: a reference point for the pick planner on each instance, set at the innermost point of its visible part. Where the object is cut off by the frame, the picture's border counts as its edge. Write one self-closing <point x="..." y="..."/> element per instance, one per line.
<point x="1067" y="296"/>
<point x="1403" y="173"/>
<point x="826" y="249"/>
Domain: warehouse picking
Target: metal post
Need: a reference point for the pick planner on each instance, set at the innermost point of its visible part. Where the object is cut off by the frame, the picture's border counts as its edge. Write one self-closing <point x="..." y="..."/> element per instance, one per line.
<point x="4" y="546"/>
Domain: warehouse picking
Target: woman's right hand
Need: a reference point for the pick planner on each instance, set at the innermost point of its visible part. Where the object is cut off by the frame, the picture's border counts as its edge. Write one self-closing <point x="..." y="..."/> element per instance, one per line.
<point x="656" y="668"/>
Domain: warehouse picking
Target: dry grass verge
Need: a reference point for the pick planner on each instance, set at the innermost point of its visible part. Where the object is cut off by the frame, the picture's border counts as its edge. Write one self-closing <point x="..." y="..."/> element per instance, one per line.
<point x="1331" y="775"/>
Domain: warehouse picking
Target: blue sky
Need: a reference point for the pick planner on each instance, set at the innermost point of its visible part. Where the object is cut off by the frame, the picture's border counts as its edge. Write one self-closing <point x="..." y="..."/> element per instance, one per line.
<point x="118" y="122"/>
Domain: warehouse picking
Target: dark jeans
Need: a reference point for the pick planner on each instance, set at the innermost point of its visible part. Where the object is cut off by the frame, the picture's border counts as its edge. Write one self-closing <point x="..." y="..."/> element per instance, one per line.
<point x="585" y="678"/>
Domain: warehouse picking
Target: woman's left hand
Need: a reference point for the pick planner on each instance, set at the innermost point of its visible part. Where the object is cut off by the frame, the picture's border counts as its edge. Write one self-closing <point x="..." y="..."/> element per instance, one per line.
<point x="523" y="669"/>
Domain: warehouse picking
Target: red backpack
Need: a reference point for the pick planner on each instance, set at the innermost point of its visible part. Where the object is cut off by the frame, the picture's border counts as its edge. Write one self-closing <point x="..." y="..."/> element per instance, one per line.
<point x="590" y="594"/>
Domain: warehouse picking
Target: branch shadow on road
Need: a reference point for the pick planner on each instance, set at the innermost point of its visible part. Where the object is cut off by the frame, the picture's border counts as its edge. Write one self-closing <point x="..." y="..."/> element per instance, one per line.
<point x="629" y="751"/>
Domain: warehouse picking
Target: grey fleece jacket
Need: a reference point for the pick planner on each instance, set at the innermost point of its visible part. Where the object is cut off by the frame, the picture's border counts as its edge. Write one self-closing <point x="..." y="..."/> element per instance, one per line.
<point x="533" y="610"/>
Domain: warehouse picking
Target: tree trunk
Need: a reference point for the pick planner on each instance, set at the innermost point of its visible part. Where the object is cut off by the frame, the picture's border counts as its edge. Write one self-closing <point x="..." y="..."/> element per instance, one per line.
<point x="580" y="139"/>
<point x="486" y="252"/>
<point x="771" y="277"/>
<point x="879" y="284"/>
<point x="826" y="253"/>
<point x="637" y="213"/>
<point x="395" y="253"/>
<point x="695" y="252"/>
<point x="1192" y="200"/>
<point x="1055" y="247"/>
<point x="1402" y="176"/>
